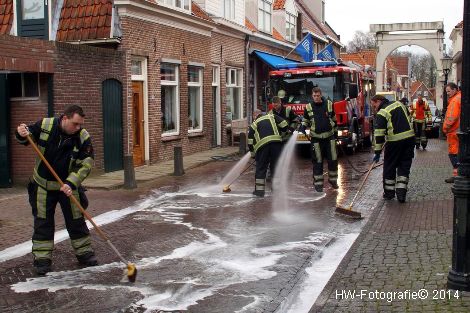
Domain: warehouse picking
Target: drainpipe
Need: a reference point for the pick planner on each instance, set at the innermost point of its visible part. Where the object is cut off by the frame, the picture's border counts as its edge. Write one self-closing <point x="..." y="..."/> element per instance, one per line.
<point x="249" y="106"/>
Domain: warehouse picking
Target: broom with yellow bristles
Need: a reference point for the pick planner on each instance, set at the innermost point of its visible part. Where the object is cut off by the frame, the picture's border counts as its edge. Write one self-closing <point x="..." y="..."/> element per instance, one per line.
<point x="131" y="269"/>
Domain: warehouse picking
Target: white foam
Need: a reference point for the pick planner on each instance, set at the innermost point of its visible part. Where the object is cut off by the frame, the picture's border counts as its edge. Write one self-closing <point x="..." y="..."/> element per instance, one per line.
<point x="318" y="275"/>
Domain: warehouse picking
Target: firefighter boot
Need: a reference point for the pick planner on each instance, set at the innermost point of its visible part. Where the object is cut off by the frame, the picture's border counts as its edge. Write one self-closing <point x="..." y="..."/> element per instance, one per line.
<point x="401" y="195"/>
<point x="87" y="259"/>
<point x="388" y="195"/>
<point x="417" y="146"/>
<point x="42" y="266"/>
<point x="259" y="187"/>
<point x="450" y="180"/>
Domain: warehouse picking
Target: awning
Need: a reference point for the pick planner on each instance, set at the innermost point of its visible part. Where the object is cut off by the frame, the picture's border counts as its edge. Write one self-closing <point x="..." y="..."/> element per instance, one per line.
<point x="276" y="61"/>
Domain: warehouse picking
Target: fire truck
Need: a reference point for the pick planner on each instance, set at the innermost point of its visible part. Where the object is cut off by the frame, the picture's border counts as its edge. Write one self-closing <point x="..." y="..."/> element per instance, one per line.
<point x="339" y="83"/>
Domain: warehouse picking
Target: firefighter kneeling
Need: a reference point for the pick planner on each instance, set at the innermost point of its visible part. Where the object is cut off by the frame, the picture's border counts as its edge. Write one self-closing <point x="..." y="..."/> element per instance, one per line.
<point x="265" y="144"/>
<point x="392" y="125"/>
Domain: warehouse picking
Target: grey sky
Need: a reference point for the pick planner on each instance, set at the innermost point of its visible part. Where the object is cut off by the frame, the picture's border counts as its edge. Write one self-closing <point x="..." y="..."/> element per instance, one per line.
<point x="348" y="16"/>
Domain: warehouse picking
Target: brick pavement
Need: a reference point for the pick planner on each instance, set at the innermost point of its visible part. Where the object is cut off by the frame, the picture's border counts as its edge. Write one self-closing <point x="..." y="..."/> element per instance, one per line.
<point x="402" y="247"/>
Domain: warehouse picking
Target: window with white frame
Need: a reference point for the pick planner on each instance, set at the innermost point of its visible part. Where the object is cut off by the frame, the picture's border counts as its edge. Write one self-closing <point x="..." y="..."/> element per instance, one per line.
<point x="180" y="4"/>
<point x="291" y="23"/>
<point x="170" y="98"/>
<point x="264" y="15"/>
<point x="195" y="98"/>
<point x="24" y="85"/>
<point x="229" y="9"/>
<point x="234" y="83"/>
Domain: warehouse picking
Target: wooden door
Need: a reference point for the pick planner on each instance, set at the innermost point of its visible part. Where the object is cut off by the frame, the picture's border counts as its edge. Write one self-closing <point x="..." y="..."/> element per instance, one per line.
<point x="138" y="123"/>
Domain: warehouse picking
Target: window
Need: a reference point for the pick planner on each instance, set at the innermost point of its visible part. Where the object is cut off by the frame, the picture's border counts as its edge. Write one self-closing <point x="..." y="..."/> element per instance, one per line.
<point x="136" y="67"/>
<point x="264" y="15"/>
<point x="229" y="9"/>
<point x="291" y="22"/>
<point x="234" y="82"/>
<point x="195" y="98"/>
<point x="181" y="4"/>
<point x="170" y="98"/>
<point x="32" y="9"/>
<point x="24" y="85"/>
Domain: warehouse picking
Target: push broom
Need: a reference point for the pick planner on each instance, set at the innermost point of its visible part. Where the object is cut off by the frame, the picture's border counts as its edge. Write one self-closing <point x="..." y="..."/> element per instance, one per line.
<point x="349" y="211"/>
<point x="131" y="269"/>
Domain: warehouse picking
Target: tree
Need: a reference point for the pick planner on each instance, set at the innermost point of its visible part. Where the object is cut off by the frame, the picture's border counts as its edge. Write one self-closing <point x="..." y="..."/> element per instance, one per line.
<point x="361" y="41"/>
<point x="423" y="67"/>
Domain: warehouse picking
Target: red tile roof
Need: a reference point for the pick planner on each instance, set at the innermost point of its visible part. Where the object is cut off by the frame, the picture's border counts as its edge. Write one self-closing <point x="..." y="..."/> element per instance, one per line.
<point x="85" y="20"/>
<point x="401" y="64"/>
<point x="6" y="16"/>
<point x="279" y="4"/>
<point x="459" y="25"/>
<point x="363" y="57"/>
<point x="198" y="12"/>
<point x="414" y="86"/>
<point x="250" y="25"/>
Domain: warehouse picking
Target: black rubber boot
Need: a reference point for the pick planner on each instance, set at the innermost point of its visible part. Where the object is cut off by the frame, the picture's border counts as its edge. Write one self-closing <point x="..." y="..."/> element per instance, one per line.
<point x="388" y="195"/>
<point x="259" y="193"/>
<point x="334" y="184"/>
<point x="87" y="259"/>
<point x="319" y="188"/>
<point x="42" y="266"/>
<point x="401" y="195"/>
<point x="450" y="180"/>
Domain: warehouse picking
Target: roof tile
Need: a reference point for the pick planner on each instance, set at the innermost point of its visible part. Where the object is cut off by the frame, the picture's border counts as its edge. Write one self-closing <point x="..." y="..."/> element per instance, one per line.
<point x="198" y="12"/>
<point x="277" y="35"/>
<point x="279" y="4"/>
<point x="85" y="20"/>
<point x="250" y="25"/>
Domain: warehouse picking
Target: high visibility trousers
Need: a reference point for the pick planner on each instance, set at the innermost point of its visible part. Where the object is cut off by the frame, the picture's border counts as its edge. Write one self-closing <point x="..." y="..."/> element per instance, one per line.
<point x="420" y="134"/>
<point x="266" y="156"/>
<point x="398" y="156"/>
<point x="43" y="203"/>
<point x="324" y="148"/>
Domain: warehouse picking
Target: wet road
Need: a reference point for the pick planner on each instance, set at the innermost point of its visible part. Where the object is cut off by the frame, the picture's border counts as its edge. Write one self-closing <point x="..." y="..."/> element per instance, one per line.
<point x="201" y="250"/>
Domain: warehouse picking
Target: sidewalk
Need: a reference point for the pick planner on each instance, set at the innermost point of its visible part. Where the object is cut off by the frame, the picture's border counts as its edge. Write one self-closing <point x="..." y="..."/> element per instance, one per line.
<point x="402" y="248"/>
<point x="115" y="180"/>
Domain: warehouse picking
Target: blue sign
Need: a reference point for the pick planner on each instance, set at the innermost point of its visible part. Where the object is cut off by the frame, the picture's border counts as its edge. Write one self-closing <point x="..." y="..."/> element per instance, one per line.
<point x="305" y="48"/>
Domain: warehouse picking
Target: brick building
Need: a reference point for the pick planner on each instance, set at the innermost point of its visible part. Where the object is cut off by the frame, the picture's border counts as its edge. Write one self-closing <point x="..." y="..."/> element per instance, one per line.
<point x="151" y="75"/>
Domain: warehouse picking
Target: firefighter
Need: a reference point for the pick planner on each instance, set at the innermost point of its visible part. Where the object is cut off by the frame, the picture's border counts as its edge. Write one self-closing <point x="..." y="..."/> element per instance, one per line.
<point x="393" y="126"/>
<point x="287" y="114"/>
<point x="320" y="117"/>
<point x="421" y="117"/>
<point x="68" y="148"/>
<point x="265" y="144"/>
<point x="451" y="126"/>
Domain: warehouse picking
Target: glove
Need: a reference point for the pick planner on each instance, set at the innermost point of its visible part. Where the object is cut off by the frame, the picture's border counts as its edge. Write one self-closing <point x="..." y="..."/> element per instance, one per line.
<point x="376" y="158"/>
<point x="302" y="129"/>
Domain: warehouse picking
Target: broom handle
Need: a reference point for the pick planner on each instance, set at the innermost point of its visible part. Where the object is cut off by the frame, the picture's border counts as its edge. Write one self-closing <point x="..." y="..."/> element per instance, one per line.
<point x="74" y="200"/>
<point x="362" y="185"/>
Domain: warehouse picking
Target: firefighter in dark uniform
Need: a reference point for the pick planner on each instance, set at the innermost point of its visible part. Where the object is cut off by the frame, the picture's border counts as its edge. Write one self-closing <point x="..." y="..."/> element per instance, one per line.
<point x="69" y="150"/>
<point x="287" y="114"/>
<point x="320" y="117"/>
<point x="393" y="126"/>
<point x="265" y="143"/>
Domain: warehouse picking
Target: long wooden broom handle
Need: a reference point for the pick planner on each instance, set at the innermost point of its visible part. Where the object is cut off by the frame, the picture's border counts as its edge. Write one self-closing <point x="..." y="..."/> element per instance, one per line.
<point x="74" y="200"/>
<point x="362" y="184"/>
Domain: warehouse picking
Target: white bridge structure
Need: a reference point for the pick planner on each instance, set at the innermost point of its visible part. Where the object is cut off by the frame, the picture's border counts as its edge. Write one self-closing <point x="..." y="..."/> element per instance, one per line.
<point x="427" y="35"/>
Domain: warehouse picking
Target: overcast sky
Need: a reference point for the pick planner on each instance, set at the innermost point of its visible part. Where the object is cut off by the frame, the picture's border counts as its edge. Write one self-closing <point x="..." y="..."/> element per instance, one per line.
<point x="348" y="16"/>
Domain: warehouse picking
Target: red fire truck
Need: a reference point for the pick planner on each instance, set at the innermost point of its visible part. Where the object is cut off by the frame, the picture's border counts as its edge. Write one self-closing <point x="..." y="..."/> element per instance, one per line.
<point x="339" y="83"/>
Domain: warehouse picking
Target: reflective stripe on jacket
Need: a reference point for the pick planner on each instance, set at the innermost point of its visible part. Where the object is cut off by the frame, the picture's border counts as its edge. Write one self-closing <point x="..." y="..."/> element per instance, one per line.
<point x="266" y="129"/>
<point x="321" y="119"/>
<point x="421" y="112"/>
<point x="392" y="123"/>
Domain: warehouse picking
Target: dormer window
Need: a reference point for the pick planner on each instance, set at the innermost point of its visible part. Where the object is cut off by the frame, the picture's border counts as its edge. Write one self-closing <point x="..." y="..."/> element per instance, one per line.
<point x="265" y="9"/>
<point x="33" y="18"/>
<point x="291" y="24"/>
<point x="180" y="4"/>
<point x="229" y="9"/>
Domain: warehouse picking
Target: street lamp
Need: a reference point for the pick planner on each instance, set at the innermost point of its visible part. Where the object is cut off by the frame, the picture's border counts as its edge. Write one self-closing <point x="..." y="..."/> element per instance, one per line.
<point x="446" y="66"/>
<point x="459" y="275"/>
